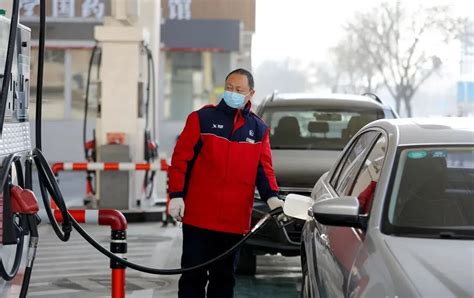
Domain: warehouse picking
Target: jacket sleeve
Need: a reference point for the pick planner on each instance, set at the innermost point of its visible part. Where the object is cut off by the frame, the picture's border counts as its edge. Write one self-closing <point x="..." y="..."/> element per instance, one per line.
<point x="266" y="181"/>
<point x="183" y="155"/>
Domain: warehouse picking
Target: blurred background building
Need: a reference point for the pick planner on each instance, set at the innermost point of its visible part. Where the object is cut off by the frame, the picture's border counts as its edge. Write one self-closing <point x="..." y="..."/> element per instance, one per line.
<point x="201" y="41"/>
<point x="69" y="43"/>
<point x="196" y="43"/>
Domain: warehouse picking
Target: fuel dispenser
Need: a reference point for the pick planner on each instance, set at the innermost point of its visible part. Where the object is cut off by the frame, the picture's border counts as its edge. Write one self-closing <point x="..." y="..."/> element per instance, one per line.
<point x="18" y="219"/>
<point x="125" y="124"/>
<point x="126" y="135"/>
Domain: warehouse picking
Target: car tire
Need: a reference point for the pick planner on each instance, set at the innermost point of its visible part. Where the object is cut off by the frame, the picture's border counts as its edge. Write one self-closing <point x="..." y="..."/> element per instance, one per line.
<point x="247" y="263"/>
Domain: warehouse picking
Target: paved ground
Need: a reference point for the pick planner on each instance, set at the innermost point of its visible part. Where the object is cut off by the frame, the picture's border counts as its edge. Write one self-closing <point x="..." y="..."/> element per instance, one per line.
<point x="73" y="269"/>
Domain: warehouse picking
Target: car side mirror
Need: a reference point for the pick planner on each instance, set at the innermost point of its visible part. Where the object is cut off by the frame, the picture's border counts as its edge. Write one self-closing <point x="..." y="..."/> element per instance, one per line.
<point x="297" y="206"/>
<point x="340" y="211"/>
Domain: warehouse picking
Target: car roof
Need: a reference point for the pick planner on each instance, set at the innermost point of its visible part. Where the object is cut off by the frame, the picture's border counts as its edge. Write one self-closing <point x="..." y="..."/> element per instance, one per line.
<point x="322" y="100"/>
<point x="436" y="130"/>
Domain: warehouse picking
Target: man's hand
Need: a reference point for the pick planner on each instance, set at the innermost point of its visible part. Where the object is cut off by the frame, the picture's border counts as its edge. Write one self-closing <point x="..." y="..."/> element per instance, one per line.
<point x="274" y="202"/>
<point x="176" y="208"/>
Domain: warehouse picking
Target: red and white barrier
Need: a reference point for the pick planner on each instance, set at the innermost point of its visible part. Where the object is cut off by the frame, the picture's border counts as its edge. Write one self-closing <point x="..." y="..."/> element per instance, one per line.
<point x="109" y="166"/>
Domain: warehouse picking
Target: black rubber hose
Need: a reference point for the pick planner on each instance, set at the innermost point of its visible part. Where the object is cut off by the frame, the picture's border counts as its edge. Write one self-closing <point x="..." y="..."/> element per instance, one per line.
<point x="10" y="274"/>
<point x="149" y="178"/>
<point x="29" y="174"/>
<point x="153" y="88"/>
<point x="147" y="99"/>
<point x="33" y="245"/>
<point x="7" y="72"/>
<point x="39" y="81"/>
<point x="49" y="184"/>
<point x="86" y="104"/>
<point x="19" y="173"/>
<point x="26" y="282"/>
<point x="64" y="232"/>
<point x="53" y="187"/>
<point x="175" y="271"/>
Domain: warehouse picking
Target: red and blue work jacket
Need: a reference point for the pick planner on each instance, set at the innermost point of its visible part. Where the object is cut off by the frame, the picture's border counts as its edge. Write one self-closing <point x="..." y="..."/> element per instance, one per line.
<point x="220" y="157"/>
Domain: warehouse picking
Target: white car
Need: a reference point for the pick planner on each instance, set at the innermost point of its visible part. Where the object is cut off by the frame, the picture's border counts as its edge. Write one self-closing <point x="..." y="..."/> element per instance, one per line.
<point x="394" y="217"/>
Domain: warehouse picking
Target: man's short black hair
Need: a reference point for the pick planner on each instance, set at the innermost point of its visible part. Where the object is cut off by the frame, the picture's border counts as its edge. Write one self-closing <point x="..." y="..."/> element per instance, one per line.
<point x="245" y="73"/>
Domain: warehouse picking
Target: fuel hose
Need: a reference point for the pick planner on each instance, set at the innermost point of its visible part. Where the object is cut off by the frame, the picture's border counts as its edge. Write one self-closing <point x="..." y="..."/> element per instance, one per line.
<point x="5" y="186"/>
<point x="53" y="188"/>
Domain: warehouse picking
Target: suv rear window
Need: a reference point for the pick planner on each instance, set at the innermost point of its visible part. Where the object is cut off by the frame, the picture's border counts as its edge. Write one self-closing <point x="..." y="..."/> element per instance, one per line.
<point x="315" y="129"/>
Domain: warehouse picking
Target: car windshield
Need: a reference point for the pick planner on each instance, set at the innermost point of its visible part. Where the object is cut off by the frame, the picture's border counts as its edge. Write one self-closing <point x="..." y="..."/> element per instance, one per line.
<point x="317" y="129"/>
<point x="433" y="192"/>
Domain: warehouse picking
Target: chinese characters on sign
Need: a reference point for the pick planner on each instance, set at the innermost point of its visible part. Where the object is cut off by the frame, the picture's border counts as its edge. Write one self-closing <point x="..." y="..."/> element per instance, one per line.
<point x="28" y="7"/>
<point x="65" y="8"/>
<point x="93" y="8"/>
<point x="179" y="9"/>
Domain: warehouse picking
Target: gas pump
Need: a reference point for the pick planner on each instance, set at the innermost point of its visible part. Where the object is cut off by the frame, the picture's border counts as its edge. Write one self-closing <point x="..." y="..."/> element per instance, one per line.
<point x="18" y="219"/>
<point x="126" y="116"/>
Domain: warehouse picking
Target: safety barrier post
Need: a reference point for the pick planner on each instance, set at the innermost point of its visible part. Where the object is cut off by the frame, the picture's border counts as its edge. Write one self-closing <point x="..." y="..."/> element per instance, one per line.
<point x="118" y="238"/>
<point x="118" y="245"/>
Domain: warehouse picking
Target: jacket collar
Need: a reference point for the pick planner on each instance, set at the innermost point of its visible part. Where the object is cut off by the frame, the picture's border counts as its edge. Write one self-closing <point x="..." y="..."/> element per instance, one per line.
<point x="222" y="106"/>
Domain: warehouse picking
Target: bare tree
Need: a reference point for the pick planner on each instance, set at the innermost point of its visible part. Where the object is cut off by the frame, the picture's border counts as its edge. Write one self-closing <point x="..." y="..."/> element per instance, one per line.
<point x="403" y="45"/>
<point x="349" y="69"/>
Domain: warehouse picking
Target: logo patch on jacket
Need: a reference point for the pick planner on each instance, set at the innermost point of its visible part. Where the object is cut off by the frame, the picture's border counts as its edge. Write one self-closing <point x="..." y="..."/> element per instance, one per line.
<point x="250" y="140"/>
<point x="220" y="126"/>
<point x="251" y="133"/>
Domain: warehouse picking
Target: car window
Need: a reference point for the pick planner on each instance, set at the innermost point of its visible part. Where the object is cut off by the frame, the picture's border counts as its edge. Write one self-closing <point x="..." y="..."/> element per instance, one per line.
<point x="353" y="161"/>
<point x="366" y="181"/>
<point x="433" y="191"/>
<point x="307" y="128"/>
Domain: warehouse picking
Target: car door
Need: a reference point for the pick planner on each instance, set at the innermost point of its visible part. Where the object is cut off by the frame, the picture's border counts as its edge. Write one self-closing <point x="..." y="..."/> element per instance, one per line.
<point x="363" y="188"/>
<point x="335" y="247"/>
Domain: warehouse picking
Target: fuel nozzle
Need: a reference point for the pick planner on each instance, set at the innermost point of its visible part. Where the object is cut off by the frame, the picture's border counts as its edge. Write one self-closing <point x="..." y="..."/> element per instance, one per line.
<point x="281" y="219"/>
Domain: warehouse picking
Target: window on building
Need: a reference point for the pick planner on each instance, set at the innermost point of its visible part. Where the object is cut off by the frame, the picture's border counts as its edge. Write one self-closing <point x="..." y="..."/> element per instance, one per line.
<point x="53" y="83"/>
<point x="79" y="68"/>
<point x="192" y="80"/>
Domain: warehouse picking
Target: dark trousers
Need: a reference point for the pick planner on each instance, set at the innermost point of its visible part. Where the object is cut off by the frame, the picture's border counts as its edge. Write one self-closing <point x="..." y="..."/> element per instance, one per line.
<point x="199" y="246"/>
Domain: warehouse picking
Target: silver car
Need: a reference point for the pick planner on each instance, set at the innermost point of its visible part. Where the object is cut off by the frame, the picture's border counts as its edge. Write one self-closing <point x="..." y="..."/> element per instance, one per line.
<point x="394" y="217"/>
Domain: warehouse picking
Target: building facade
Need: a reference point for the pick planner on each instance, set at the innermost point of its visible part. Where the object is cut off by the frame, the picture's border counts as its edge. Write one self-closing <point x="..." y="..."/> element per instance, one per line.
<point x="201" y="41"/>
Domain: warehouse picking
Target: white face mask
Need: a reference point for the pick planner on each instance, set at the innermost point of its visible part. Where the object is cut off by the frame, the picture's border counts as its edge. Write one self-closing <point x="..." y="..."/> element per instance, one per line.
<point x="234" y="100"/>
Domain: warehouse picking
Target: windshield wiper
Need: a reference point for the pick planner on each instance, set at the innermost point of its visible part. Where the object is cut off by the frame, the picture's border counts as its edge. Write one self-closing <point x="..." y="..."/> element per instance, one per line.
<point x="455" y="235"/>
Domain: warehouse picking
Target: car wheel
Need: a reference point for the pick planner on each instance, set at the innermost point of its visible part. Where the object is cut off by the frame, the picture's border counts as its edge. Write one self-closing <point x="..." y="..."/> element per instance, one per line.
<point x="247" y="263"/>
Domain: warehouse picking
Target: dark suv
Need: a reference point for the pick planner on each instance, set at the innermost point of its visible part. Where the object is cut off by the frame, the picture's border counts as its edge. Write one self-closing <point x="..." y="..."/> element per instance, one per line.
<point x="307" y="133"/>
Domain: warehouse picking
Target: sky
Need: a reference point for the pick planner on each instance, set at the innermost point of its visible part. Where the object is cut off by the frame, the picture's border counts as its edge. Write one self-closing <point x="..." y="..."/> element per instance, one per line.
<point x="305" y="29"/>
